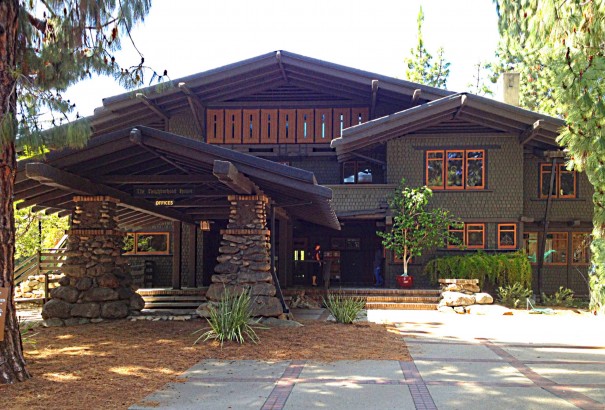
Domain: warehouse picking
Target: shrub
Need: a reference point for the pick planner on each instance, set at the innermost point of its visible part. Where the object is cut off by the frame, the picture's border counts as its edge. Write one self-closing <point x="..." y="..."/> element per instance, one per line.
<point x="230" y="320"/>
<point x="26" y="328"/>
<point x="563" y="297"/>
<point x="499" y="269"/>
<point x="344" y="308"/>
<point x="513" y="295"/>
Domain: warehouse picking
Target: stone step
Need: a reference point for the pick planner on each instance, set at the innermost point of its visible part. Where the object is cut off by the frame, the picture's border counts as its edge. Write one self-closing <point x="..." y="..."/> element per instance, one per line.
<point x="171" y="292"/>
<point x="366" y="292"/>
<point x="172" y="305"/>
<point x="175" y="298"/>
<point x="401" y="306"/>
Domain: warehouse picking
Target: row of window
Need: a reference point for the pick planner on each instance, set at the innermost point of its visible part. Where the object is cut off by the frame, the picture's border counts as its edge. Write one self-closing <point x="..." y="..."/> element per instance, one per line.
<point x="472" y="236"/>
<point x="556" y="249"/>
<point x="463" y="170"/>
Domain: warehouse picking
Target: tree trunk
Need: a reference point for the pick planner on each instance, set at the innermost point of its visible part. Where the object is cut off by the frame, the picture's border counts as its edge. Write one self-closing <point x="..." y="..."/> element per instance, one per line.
<point x="12" y="363"/>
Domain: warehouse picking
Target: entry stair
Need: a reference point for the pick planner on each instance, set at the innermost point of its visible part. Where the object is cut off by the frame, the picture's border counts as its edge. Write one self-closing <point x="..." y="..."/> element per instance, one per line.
<point x="387" y="299"/>
<point x="182" y="301"/>
<point x="186" y="300"/>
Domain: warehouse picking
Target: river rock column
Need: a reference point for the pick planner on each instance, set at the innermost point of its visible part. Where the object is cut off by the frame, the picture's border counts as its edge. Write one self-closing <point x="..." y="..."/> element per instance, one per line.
<point x="244" y="256"/>
<point x="97" y="284"/>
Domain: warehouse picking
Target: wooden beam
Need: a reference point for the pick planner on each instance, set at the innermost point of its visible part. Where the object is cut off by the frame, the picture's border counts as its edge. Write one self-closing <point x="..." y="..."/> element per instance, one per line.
<point x="228" y="174"/>
<point x="152" y="106"/>
<point x="462" y="104"/>
<point x="373" y="99"/>
<point x="155" y="179"/>
<point x="197" y="108"/>
<point x="39" y="199"/>
<point x="416" y="97"/>
<point x="176" y="255"/>
<point x="137" y="138"/>
<point x="47" y="175"/>
<point x="281" y="66"/>
<point x="531" y="132"/>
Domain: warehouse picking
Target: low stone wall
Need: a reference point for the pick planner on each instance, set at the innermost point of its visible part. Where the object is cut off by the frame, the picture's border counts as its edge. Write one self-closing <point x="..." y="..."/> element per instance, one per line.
<point x="33" y="286"/>
<point x="462" y="295"/>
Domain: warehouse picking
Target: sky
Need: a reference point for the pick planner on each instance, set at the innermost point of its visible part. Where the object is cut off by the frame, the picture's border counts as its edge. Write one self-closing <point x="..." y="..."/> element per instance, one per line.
<point x="190" y="36"/>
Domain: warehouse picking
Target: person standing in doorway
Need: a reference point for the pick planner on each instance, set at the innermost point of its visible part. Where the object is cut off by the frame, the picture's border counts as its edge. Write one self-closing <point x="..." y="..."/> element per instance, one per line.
<point x="378" y="268"/>
<point x="317" y="257"/>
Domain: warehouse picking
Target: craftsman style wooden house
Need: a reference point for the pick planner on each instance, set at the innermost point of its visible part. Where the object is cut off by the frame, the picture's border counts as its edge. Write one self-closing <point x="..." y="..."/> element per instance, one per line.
<point x="359" y="133"/>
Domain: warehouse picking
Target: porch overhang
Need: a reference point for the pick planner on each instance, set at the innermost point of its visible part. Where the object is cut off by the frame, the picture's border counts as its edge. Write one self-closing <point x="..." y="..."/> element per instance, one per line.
<point x="159" y="176"/>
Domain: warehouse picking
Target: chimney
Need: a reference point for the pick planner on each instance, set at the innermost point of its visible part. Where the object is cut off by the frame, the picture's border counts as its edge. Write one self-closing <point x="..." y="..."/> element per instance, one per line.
<point x="509" y="88"/>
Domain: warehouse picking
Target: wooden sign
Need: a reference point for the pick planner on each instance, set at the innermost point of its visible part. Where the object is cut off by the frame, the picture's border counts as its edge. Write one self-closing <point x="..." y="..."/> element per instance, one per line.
<point x="3" y="309"/>
<point x="165" y="191"/>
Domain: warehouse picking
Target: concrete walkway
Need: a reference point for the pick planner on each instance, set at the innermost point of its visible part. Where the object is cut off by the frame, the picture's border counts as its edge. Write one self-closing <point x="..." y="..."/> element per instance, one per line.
<point x="459" y="362"/>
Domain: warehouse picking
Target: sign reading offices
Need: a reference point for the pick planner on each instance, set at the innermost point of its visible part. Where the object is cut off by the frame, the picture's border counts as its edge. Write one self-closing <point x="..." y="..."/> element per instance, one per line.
<point x="3" y="304"/>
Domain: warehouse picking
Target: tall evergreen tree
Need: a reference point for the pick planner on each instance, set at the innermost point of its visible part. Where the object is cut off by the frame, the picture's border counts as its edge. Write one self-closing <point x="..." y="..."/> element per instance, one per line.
<point x="46" y="46"/>
<point x="572" y="35"/>
<point x="420" y="66"/>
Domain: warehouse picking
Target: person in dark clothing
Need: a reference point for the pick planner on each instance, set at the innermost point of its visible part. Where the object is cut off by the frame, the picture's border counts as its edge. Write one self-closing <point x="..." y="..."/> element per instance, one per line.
<point x="318" y="257"/>
<point x="378" y="267"/>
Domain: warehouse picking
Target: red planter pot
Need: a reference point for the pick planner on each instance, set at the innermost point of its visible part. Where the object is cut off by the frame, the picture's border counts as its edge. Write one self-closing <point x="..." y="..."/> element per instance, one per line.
<point x="405" y="282"/>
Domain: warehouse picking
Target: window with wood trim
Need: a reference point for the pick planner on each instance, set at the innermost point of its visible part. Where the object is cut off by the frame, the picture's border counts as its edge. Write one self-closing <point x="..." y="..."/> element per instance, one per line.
<point x="530" y="244"/>
<point x="564" y="184"/>
<point x="147" y="243"/>
<point x="357" y="172"/>
<point x="555" y="250"/>
<point x="455" y="169"/>
<point x="580" y="248"/>
<point x="471" y="236"/>
<point x="507" y="236"/>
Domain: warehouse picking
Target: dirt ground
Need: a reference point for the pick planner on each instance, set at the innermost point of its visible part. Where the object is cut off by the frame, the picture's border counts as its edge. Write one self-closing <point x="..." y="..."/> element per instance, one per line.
<point x="112" y="365"/>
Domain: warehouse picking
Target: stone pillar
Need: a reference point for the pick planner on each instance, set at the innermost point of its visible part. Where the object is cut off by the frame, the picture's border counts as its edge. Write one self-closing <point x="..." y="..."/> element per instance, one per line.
<point x="244" y="256"/>
<point x="97" y="284"/>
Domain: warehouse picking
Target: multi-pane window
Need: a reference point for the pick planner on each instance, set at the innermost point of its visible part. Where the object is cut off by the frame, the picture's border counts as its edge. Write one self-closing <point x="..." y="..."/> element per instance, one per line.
<point x="147" y="243"/>
<point x="507" y="236"/>
<point x="555" y="250"/>
<point x="580" y="248"/>
<point x="455" y="169"/>
<point x="470" y="235"/>
<point x="564" y="185"/>
<point x="357" y="172"/>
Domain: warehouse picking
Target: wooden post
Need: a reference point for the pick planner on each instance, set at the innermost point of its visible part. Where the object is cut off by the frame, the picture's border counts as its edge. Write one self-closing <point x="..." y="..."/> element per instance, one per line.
<point x="192" y="257"/>
<point x="546" y="223"/>
<point x="284" y="252"/>
<point x="176" y="255"/>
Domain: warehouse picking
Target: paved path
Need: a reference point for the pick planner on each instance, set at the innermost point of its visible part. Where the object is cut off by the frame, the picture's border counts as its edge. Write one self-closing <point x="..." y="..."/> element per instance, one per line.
<point x="459" y="362"/>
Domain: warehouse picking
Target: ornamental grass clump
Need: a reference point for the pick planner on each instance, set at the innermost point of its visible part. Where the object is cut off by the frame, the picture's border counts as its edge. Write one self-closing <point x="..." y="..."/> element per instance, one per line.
<point x="563" y="297"/>
<point x="230" y="320"/>
<point x="344" y="308"/>
<point x="513" y="295"/>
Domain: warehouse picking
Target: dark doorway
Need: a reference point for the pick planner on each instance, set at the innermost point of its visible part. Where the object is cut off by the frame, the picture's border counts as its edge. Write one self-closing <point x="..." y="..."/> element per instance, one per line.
<point x="212" y="241"/>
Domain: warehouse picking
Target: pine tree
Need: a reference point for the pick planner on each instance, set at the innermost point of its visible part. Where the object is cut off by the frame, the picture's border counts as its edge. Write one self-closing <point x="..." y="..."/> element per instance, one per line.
<point x="420" y="66"/>
<point x="569" y="37"/>
<point x="46" y="46"/>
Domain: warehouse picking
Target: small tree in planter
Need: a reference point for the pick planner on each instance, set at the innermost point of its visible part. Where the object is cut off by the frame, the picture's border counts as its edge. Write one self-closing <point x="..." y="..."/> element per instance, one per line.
<point x="416" y="228"/>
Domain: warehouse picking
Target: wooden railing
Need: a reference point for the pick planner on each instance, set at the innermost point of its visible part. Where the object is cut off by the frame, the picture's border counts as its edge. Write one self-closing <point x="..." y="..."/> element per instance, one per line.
<point x="44" y="263"/>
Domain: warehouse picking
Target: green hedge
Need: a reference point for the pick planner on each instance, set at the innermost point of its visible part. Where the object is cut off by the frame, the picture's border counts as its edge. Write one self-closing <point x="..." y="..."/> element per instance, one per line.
<point x="499" y="270"/>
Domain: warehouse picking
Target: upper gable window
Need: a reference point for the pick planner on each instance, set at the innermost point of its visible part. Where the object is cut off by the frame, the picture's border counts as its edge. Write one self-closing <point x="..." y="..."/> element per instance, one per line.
<point x="455" y="169"/>
<point x="564" y="185"/>
<point x="357" y="172"/>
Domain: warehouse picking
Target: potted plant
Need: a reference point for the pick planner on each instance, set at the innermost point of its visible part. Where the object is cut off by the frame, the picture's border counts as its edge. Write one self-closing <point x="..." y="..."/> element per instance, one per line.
<point x="415" y="228"/>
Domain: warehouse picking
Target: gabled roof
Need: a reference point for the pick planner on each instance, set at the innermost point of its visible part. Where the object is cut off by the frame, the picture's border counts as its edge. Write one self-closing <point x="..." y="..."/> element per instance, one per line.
<point x="458" y="114"/>
<point x="115" y="164"/>
<point x="279" y="77"/>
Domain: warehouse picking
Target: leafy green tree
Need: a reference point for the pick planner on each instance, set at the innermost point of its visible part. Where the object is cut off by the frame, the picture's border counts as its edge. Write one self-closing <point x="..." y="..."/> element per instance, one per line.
<point x="46" y="46"/>
<point x="415" y="227"/>
<point x="572" y="33"/>
<point x="420" y="66"/>
<point x="483" y="79"/>
<point x="29" y="239"/>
